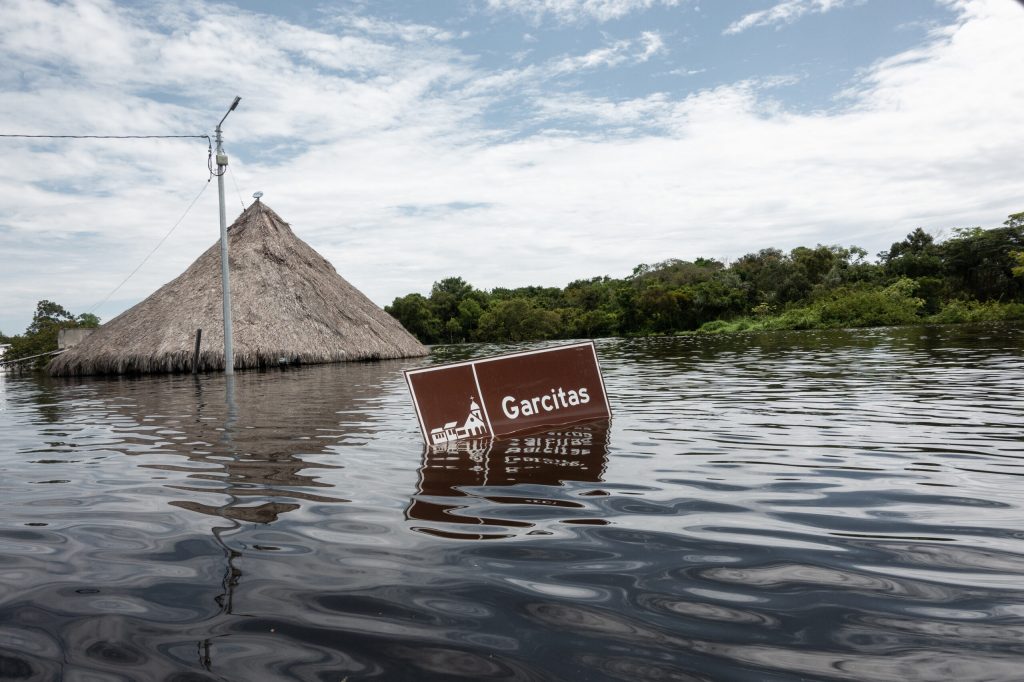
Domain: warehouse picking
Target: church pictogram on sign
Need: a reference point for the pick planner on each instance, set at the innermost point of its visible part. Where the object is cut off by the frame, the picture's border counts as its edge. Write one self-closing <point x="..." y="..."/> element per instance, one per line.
<point x="473" y="426"/>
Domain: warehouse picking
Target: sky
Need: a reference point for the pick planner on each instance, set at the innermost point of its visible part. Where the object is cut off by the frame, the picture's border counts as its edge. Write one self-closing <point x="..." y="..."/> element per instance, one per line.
<point x="509" y="142"/>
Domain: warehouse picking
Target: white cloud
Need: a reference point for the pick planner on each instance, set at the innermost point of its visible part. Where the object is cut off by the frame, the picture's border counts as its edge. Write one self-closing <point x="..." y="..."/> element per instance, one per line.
<point x="617" y="52"/>
<point x="785" y="12"/>
<point x="406" y="31"/>
<point x="653" y="44"/>
<point x="576" y="10"/>
<point x="626" y="116"/>
<point x="611" y="55"/>
<point x="393" y="172"/>
<point x="686" y="72"/>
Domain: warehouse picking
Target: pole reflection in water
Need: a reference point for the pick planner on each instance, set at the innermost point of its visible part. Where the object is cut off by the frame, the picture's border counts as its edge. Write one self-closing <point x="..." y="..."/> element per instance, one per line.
<point x="242" y="445"/>
<point x="232" y="408"/>
<point x="232" y="574"/>
<point x="457" y="482"/>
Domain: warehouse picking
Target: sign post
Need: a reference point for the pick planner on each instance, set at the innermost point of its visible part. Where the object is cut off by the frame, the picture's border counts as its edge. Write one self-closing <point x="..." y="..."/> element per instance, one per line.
<point x="498" y="396"/>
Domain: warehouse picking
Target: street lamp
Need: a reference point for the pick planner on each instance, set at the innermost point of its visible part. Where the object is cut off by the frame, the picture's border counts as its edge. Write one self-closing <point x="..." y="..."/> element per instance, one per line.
<point x="225" y="278"/>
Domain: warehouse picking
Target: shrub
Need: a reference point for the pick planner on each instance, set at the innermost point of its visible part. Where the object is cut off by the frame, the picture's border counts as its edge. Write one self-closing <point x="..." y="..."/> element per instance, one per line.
<point x="795" y="318"/>
<point x="716" y="326"/>
<point x="871" y="306"/>
<point x="958" y="310"/>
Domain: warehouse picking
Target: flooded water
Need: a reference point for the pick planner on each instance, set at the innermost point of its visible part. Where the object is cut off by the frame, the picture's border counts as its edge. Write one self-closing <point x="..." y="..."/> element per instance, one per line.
<point x="794" y="506"/>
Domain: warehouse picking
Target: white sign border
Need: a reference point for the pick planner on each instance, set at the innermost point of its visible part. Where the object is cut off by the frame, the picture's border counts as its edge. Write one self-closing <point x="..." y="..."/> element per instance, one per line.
<point x="505" y="356"/>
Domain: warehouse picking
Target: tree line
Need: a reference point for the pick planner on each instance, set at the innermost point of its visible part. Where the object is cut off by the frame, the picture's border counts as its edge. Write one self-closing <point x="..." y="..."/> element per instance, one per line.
<point x="974" y="275"/>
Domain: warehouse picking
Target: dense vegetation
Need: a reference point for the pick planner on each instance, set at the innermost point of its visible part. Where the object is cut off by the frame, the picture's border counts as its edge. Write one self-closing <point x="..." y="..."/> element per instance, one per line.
<point x="975" y="275"/>
<point x="41" y="334"/>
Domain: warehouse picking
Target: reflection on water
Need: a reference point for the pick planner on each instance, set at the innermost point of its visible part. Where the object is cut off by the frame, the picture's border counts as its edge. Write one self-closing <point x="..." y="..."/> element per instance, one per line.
<point x="459" y="478"/>
<point x="815" y="505"/>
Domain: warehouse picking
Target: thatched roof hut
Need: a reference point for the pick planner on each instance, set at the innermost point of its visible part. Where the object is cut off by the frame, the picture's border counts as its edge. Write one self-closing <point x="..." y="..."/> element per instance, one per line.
<point x="288" y="303"/>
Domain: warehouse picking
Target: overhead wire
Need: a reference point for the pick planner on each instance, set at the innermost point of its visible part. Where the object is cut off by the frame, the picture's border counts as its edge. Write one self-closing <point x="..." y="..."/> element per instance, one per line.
<point x="209" y="165"/>
<point x="107" y="137"/>
<point x="240" y="199"/>
<point x="150" y="254"/>
<point x="209" y="141"/>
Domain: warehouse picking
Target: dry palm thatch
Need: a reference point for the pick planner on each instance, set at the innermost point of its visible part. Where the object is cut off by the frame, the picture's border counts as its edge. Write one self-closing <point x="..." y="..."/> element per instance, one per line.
<point x="288" y="305"/>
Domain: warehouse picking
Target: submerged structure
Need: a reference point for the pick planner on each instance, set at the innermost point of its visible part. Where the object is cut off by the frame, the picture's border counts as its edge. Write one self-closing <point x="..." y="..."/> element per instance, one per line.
<point x="289" y="305"/>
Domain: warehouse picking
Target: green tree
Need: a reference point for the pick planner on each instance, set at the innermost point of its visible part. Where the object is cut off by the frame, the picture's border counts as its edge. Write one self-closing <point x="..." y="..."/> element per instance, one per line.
<point x="587" y="324"/>
<point x="762" y="274"/>
<point x="470" y="311"/>
<point x="676" y="273"/>
<point x="665" y="309"/>
<point x="49" y="313"/>
<point x="720" y="297"/>
<point x="88" y="320"/>
<point x="588" y="294"/>
<point x="517" y="319"/>
<point x="41" y="334"/>
<point x="850" y="266"/>
<point x="453" y="330"/>
<point x="626" y="304"/>
<point x="1018" y="258"/>
<point x="805" y="270"/>
<point x="415" y="314"/>
<point x="448" y="303"/>
<point x="549" y="298"/>
<point x="916" y="256"/>
<point x="446" y="295"/>
<point x="979" y="263"/>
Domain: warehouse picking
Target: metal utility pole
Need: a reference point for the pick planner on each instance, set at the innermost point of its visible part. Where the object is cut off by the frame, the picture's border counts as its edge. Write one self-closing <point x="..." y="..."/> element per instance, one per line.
<point x="225" y="277"/>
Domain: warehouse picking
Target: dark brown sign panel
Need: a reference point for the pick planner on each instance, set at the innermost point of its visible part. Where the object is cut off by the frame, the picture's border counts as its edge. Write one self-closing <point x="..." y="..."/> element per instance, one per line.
<point x="509" y="393"/>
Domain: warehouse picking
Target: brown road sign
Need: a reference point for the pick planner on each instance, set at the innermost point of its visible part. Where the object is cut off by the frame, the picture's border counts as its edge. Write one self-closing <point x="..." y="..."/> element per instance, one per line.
<point x="508" y="394"/>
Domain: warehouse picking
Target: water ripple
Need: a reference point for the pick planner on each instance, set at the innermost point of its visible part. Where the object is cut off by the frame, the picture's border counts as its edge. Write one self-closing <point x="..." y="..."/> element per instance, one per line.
<point x="840" y="505"/>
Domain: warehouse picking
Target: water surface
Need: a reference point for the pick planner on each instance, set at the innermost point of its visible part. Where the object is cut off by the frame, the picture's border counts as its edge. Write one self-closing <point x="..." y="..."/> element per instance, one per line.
<point x="792" y="506"/>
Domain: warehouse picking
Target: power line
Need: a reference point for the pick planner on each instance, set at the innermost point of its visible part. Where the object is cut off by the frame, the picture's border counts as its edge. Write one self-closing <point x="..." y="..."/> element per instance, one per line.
<point x="106" y="137"/>
<point x="209" y="163"/>
<point x="240" y="199"/>
<point x="150" y="254"/>
<point x="209" y="141"/>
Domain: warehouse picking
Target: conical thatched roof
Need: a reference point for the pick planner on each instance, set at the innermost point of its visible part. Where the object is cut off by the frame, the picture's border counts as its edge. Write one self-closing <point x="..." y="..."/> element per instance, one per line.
<point x="287" y="302"/>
